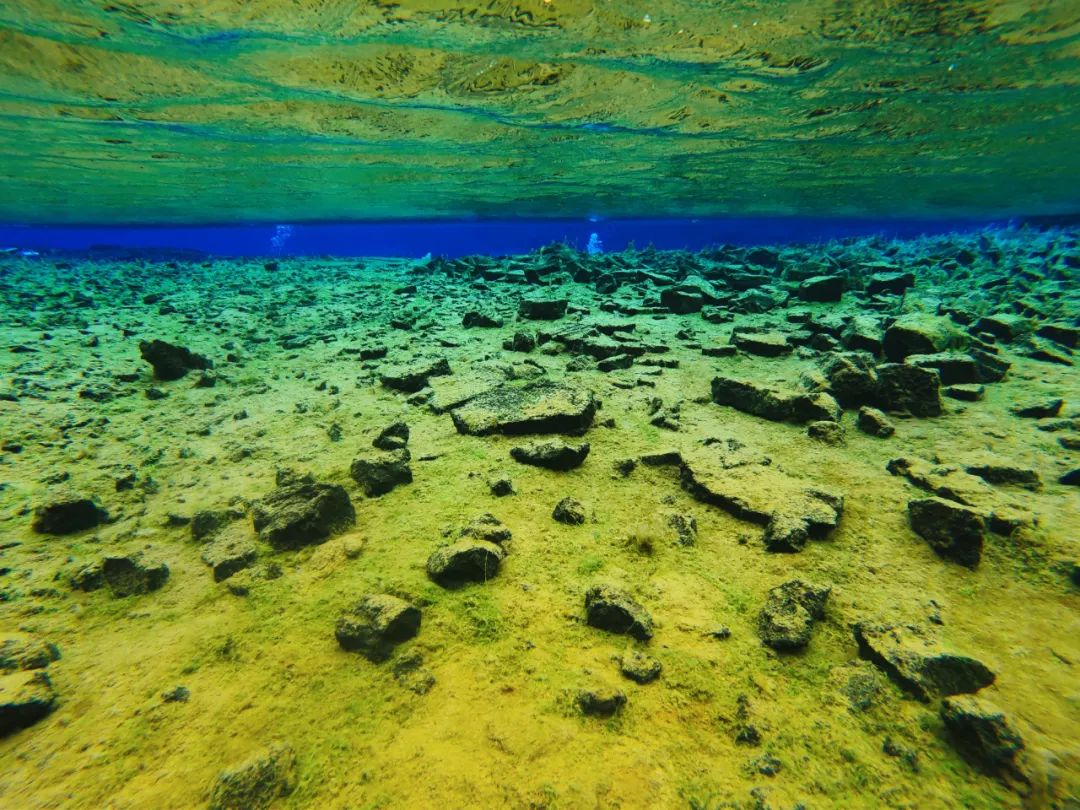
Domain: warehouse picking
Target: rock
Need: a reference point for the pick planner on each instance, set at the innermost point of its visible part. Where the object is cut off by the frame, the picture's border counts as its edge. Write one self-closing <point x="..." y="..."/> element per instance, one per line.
<point x="208" y="522"/>
<point x="539" y="407"/>
<point x="521" y="342"/>
<point x="569" y="511"/>
<point x="412" y="378"/>
<point x="178" y="694"/>
<point x="376" y="624"/>
<point x="228" y="554"/>
<point x="1062" y="334"/>
<point x="952" y="367"/>
<point x="902" y="387"/>
<point x="852" y="378"/>
<point x="763" y="344"/>
<point x="789" y="614"/>
<point x="1071" y="478"/>
<point x="1005" y="326"/>
<point x="378" y="473"/>
<point x="874" y="423"/>
<point x="20" y="651"/>
<point x="169" y="361"/>
<point x="991" y="368"/>
<point x="863" y="333"/>
<point x="475" y="318"/>
<point x="255" y="784"/>
<point x="954" y="531"/>
<point x="919" y="333"/>
<point x="752" y="489"/>
<point x="917" y="663"/>
<point x="133" y="574"/>
<point x="682" y="301"/>
<point x="985" y="737"/>
<point x="1039" y="410"/>
<point x="465" y="561"/>
<point x="827" y="432"/>
<point x="26" y="696"/>
<point x="487" y="527"/>
<point x="767" y="403"/>
<point x="889" y="283"/>
<point x="600" y="702"/>
<point x="821" y="288"/>
<point x="965" y="392"/>
<point x="551" y="455"/>
<point x="302" y="512"/>
<point x="392" y="437"/>
<point x="610" y="609"/>
<point x="639" y="667"/>
<point x="542" y="309"/>
<point x="501" y="487"/>
<point x="1005" y="474"/>
<point x="68" y="515"/>
<point x="685" y="527"/>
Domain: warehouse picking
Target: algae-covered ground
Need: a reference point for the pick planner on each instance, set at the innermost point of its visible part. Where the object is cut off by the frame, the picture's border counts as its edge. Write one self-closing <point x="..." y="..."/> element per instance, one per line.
<point x="735" y="404"/>
<point x="158" y="110"/>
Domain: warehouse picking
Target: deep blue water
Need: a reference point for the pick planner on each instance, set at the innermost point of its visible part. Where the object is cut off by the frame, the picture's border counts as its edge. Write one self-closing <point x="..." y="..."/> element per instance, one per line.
<point x="456" y="238"/>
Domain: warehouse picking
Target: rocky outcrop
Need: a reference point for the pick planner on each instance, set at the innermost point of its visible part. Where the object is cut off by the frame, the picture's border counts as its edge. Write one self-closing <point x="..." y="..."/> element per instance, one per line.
<point x="412" y="378"/>
<point x="985" y="737"/>
<point x="776" y="404"/>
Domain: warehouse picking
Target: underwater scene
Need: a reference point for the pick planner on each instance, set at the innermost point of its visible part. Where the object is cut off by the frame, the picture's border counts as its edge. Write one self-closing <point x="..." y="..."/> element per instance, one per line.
<point x="539" y="404"/>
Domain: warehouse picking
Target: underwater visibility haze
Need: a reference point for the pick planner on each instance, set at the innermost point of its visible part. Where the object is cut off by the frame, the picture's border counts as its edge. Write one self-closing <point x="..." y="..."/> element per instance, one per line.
<point x="539" y="404"/>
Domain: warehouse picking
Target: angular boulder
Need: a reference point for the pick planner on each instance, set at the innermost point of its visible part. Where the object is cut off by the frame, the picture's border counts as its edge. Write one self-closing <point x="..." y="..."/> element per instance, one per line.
<point x="789" y="614"/>
<point x="487" y="527"/>
<point x="601" y="701"/>
<point x="229" y="553"/>
<point x="68" y="515"/>
<point x="380" y="472"/>
<point x="26" y="696"/>
<point x="302" y="512"/>
<point x="539" y="407"/>
<point x="133" y="574"/>
<point x="608" y="608"/>
<point x="982" y="733"/>
<point x="464" y="562"/>
<point x="551" y="455"/>
<point x="956" y="532"/>
<point x="256" y="783"/>
<point x="920" y="333"/>
<point x="542" y="308"/>
<point x="821" y="288"/>
<point x="569" y="511"/>
<point x="375" y="624"/>
<point x="169" y="361"/>
<point x="907" y="388"/>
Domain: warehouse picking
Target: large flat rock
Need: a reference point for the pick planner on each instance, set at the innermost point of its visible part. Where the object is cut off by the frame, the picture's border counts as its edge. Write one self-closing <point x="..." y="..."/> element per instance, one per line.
<point x="540" y="407"/>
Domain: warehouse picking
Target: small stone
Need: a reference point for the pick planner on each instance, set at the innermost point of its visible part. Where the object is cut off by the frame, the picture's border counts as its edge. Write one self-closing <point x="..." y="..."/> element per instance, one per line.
<point x="464" y="562"/>
<point x="874" y="423"/>
<point x="831" y="433"/>
<point x="965" y="392"/>
<point x="67" y="516"/>
<point x="487" y="527"/>
<point x="379" y="473"/>
<point x="169" y="361"/>
<point x="954" y="531"/>
<point x="255" y="784"/>
<point x="393" y="437"/>
<point x="569" y="511"/>
<point x="789" y="614"/>
<point x="600" y="702"/>
<point x="178" y="694"/>
<point x="475" y="318"/>
<point x="552" y="455"/>
<point x="501" y="487"/>
<point x="685" y="526"/>
<point x="639" y="667"/>
<point x="376" y="624"/>
<point x="610" y="609"/>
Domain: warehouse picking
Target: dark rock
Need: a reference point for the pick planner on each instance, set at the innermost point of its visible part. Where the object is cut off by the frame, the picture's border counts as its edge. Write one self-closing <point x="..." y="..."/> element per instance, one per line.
<point x="1071" y="478"/>
<point x="178" y="694"/>
<point x="827" y="432"/>
<point x="639" y="667"/>
<point x="964" y="392"/>
<point x="852" y="379"/>
<point x="682" y="301"/>
<point x="1005" y="326"/>
<point x="902" y="387"/>
<point x="23" y="651"/>
<point x="610" y="609"/>
<point x="821" y="288"/>
<point x="991" y="368"/>
<point x="378" y="473"/>
<point x="1006" y="474"/>
<point x="171" y="362"/>
<point x="790" y="612"/>
<point x="1039" y="410"/>
<point x="616" y="362"/>
<point x="501" y="487"/>
<point x="863" y="334"/>
<point x="411" y="379"/>
<point x="208" y="522"/>
<point x="376" y="624"/>
<point x="600" y="702"/>
<point x="763" y="344"/>
<point x="874" y="423"/>
<point x="302" y="512"/>
<point x="917" y="663"/>
<point x="982" y="734"/>
<point x="474" y="318"/>
<point x="919" y="333"/>
<point x="255" y="784"/>
<point x="551" y="455"/>
<point x="1061" y="334"/>
<point x="542" y="309"/>
<point x="393" y="437"/>
<point x="954" y="531"/>
<point x="521" y="342"/>
<point x="154" y="394"/>
<point x="685" y="527"/>
<point x="952" y="367"/>
<point x="133" y="574"/>
<point x="465" y="561"/>
<point x="890" y="283"/>
<point x="606" y="284"/>
<point x="570" y="512"/>
<point x="67" y="516"/>
<point x="767" y="403"/>
<point x="26" y="696"/>
<point x="539" y="407"/>
<point x="228" y="554"/>
<point x="487" y="527"/>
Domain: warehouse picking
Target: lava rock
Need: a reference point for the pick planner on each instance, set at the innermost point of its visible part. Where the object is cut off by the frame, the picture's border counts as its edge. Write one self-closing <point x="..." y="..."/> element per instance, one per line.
<point x="1006" y="474"/>
<point x="379" y="473"/>
<point x="965" y="392"/>
<point x="501" y="487"/>
<point x="487" y="527"/>
<point x="539" y="407"/>
<point x="392" y="437"/>
<point x="23" y="651"/>
<point x="551" y="455"/>
<point x="917" y="663"/>
<point x="952" y="367"/>
<point x="919" y="333"/>
<point x="757" y="400"/>
<point x="133" y="574"/>
<point x="523" y="342"/>
<point x="376" y="624"/>
<point x="852" y="378"/>
<point x="763" y="344"/>
<point x="413" y="378"/>
<point x="476" y="319"/>
<point x="1005" y="326"/>
<point x="169" y="361"/>
<point x="228" y="554"/>
<point x="984" y="736"/>
<point x="569" y="511"/>
<point x="464" y="562"/>
<point x="890" y="283"/>
<point x="1039" y="410"/>
<point x="600" y="702"/>
<point x="874" y="423"/>
<point x="67" y="516"/>
<point x="208" y="522"/>
<point x="685" y="526"/>
<point x="257" y="783"/>
<point x="821" y="288"/>
<point x="790" y="612"/>
<point x="302" y="512"/>
<point x="902" y="387"/>
<point x="542" y="309"/>
<point x="831" y="433"/>
<point x="26" y="696"/>
<point x="639" y="667"/>
<point x="682" y="301"/>
<point x="610" y="609"/>
<point x="954" y="531"/>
